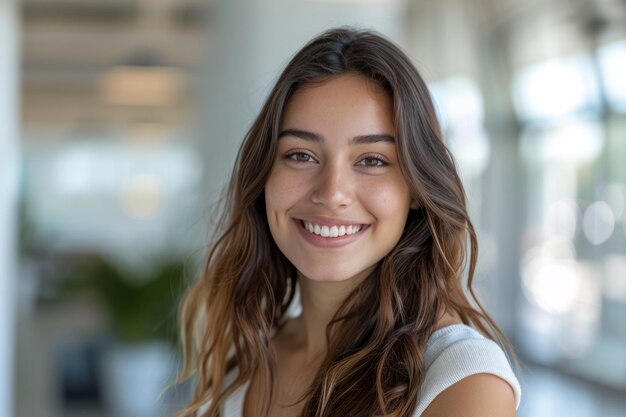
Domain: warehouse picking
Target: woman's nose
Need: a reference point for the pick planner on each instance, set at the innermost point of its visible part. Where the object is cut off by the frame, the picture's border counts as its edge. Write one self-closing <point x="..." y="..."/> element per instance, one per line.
<point x="333" y="187"/>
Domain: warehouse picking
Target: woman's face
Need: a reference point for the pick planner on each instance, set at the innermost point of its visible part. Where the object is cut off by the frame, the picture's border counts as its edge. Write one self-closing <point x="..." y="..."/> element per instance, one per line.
<point x="336" y="199"/>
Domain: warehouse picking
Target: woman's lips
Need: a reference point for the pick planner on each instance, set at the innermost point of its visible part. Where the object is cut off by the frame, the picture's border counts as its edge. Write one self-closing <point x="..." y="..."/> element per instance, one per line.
<point x="328" y="242"/>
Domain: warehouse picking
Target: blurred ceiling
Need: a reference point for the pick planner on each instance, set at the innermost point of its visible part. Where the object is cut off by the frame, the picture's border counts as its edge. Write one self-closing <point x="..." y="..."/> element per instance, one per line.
<point x="68" y="47"/>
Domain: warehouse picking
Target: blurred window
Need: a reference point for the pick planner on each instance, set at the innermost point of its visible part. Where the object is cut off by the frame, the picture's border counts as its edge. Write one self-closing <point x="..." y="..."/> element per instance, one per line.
<point x="612" y="60"/>
<point x="559" y="87"/>
<point x="574" y="246"/>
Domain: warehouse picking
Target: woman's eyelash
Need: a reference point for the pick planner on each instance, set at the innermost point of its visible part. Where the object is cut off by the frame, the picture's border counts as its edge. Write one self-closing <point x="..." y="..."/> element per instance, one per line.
<point x="294" y="156"/>
<point x="300" y="156"/>
<point x="380" y="162"/>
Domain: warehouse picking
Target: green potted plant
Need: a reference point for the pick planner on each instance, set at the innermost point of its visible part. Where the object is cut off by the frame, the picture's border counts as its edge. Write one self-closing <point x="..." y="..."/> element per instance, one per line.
<point x="141" y="307"/>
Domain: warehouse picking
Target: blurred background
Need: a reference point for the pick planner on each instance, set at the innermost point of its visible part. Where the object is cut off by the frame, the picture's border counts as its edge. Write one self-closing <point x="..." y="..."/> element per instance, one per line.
<point x="120" y="120"/>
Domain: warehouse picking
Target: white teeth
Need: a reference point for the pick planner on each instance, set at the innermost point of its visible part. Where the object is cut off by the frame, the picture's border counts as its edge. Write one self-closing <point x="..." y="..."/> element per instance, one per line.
<point x="331" y="231"/>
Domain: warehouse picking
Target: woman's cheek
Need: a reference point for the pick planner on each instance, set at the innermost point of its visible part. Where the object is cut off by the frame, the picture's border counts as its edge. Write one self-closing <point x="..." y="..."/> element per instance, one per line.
<point x="282" y="188"/>
<point x="386" y="196"/>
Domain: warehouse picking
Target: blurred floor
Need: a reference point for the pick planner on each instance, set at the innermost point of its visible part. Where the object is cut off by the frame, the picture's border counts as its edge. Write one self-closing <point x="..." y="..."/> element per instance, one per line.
<point x="547" y="393"/>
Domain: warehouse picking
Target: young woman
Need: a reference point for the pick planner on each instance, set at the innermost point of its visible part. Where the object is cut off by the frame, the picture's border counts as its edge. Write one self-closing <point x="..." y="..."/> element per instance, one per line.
<point x="344" y="191"/>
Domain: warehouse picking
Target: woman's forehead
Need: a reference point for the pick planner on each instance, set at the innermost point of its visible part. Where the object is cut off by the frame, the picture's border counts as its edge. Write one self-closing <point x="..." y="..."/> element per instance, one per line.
<point x="349" y="105"/>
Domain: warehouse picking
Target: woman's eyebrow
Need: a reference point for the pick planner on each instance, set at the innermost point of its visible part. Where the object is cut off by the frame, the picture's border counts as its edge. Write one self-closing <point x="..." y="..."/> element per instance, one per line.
<point x="316" y="137"/>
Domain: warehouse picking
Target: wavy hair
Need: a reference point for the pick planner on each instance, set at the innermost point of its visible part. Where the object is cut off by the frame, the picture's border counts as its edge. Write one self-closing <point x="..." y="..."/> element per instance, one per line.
<point x="377" y="337"/>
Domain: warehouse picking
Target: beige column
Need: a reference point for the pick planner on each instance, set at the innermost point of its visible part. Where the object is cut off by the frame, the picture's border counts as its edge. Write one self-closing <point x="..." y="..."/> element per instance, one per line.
<point x="249" y="42"/>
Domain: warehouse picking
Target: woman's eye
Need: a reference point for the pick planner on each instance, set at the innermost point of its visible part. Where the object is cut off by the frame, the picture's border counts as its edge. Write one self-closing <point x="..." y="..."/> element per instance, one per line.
<point x="372" y="162"/>
<point x="300" y="157"/>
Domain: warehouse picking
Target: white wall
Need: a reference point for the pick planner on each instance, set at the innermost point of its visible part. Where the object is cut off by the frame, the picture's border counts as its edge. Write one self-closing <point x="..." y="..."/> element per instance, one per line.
<point x="9" y="172"/>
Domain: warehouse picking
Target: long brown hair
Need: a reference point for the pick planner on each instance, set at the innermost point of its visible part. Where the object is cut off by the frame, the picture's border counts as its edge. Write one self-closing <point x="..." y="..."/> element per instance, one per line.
<point x="377" y="337"/>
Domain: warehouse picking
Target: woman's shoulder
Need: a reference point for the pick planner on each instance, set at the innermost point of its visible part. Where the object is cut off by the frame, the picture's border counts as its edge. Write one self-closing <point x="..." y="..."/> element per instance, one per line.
<point x="456" y="352"/>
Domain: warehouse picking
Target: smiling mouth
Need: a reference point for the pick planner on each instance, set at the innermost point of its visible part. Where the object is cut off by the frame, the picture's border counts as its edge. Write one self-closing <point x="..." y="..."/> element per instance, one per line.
<point x="332" y="231"/>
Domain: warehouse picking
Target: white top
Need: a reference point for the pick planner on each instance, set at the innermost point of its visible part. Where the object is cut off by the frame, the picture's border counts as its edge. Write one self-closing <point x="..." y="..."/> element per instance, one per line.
<point x="452" y="353"/>
<point x="456" y="352"/>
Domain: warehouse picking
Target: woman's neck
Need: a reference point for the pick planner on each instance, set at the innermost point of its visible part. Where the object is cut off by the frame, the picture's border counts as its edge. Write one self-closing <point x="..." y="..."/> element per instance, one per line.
<point x="320" y="301"/>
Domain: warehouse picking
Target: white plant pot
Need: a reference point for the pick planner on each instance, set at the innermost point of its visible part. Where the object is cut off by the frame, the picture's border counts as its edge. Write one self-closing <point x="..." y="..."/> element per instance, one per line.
<point x="134" y="376"/>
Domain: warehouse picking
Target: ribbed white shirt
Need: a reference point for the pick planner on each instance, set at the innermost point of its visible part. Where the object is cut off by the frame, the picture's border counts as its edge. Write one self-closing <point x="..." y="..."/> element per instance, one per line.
<point x="452" y="353"/>
<point x="458" y="351"/>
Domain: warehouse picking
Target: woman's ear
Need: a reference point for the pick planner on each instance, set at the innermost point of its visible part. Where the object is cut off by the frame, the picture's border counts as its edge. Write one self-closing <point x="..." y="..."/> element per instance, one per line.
<point x="414" y="205"/>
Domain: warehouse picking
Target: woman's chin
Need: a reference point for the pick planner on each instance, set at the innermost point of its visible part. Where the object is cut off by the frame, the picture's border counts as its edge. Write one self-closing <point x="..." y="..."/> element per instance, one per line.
<point x="332" y="275"/>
